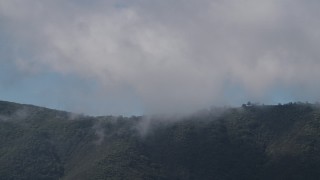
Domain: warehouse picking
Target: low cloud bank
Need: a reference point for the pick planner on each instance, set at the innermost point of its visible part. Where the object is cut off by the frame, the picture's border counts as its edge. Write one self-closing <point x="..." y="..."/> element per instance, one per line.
<point x="169" y="56"/>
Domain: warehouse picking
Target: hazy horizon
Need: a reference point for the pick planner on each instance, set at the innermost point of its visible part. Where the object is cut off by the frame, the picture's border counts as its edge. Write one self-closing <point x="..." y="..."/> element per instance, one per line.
<point x="142" y="57"/>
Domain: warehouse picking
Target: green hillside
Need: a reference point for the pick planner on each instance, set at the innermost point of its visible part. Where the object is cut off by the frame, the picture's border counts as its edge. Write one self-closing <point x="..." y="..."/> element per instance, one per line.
<point x="249" y="142"/>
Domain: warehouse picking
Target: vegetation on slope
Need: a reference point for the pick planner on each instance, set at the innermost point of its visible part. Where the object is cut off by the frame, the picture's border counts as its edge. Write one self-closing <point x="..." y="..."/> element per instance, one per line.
<point x="251" y="142"/>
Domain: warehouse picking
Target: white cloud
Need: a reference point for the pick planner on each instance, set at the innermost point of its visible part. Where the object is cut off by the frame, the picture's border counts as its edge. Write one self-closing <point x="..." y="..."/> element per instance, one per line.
<point x="175" y="56"/>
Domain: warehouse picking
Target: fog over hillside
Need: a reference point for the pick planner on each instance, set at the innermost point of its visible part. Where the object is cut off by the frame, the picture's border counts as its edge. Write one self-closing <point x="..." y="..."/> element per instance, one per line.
<point x="246" y="143"/>
<point x="159" y="90"/>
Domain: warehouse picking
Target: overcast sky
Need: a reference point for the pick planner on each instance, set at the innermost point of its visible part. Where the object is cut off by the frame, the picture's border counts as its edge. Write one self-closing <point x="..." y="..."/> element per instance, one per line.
<point x="150" y="56"/>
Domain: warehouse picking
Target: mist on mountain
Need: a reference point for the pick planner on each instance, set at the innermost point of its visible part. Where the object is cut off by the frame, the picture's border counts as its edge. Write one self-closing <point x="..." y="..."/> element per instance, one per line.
<point x="248" y="142"/>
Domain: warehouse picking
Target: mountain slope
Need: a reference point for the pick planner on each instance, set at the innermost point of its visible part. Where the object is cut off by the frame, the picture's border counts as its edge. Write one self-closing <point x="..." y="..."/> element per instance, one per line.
<point x="251" y="142"/>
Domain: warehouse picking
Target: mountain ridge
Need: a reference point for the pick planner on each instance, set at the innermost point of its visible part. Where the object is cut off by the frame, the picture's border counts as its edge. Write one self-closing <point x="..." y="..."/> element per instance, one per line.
<point x="248" y="142"/>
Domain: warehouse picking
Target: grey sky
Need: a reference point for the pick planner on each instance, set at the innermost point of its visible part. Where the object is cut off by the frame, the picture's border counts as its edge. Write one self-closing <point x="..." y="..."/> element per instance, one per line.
<point x="168" y="56"/>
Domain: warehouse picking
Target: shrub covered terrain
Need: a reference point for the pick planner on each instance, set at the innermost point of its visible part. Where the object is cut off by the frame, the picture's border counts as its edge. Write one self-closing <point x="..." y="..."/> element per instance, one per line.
<point x="249" y="142"/>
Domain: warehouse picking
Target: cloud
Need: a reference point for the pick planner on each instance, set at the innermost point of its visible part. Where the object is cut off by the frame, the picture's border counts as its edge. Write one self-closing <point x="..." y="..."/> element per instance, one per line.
<point x="172" y="56"/>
